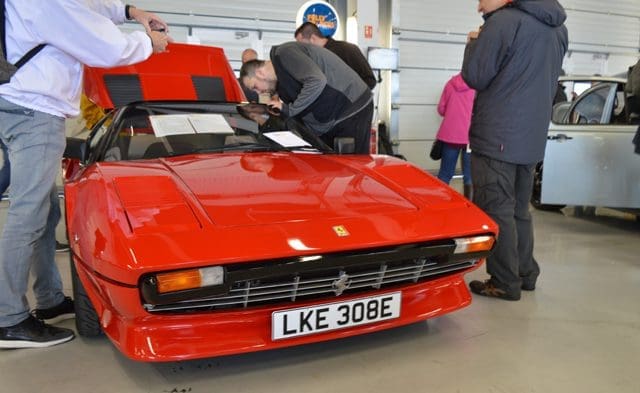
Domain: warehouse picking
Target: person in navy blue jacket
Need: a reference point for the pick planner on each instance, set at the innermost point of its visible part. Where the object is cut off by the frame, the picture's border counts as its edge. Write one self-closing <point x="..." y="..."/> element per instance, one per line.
<point x="513" y="62"/>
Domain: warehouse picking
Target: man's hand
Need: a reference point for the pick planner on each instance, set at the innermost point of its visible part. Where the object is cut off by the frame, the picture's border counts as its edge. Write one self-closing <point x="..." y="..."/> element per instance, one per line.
<point x="274" y="107"/>
<point x="472" y="35"/>
<point x="274" y="103"/>
<point x="159" y="41"/>
<point x="149" y="20"/>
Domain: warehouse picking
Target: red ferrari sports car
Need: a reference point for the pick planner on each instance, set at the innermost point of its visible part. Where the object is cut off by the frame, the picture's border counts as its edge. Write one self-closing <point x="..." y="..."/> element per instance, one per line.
<point x="203" y="226"/>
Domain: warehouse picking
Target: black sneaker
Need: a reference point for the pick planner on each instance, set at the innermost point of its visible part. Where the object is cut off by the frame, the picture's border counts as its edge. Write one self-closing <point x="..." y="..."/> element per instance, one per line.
<point x="33" y="333"/>
<point x="488" y="289"/>
<point x="62" y="311"/>
<point x="61" y="247"/>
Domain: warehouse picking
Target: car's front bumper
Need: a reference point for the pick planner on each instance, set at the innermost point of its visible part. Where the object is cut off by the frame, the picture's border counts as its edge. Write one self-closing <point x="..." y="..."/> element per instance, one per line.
<point x="170" y="337"/>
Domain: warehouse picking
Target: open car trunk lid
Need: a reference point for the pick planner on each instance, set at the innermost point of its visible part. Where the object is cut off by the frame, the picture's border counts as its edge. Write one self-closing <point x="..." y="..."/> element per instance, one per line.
<point x="183" y="72"/>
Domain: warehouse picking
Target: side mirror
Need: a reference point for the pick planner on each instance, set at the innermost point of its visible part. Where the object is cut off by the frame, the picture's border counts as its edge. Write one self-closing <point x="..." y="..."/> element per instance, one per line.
<point x="76" y="149"/>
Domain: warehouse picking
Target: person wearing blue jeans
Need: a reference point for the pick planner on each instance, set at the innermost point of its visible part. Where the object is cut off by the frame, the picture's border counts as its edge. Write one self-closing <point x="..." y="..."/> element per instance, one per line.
<point x="33" y="106"/>
<point x="450" y="154"/>
<point x="455" y="105"/>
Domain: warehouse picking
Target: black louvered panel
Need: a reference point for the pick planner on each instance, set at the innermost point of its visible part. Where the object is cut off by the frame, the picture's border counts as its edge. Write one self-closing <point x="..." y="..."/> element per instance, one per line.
<point x="123" y="89"/>
<point x="209" y="88"/>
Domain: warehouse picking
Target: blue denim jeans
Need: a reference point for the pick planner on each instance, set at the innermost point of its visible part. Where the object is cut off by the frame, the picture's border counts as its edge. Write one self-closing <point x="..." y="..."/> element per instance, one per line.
<point x="36" y="141"/>
<point x="4" y="169"/>
<point x="448" y="163"/>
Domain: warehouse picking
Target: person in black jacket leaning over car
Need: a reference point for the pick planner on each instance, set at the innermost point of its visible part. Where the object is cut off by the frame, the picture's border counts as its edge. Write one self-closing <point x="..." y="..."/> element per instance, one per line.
<point x="513" y="62"/>
<point x="317" y="87"/>
<point x="309" y="33"/>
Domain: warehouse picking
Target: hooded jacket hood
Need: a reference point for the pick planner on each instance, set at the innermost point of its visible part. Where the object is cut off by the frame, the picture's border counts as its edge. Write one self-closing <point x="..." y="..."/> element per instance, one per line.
<point x="549" y="12"/>
<point x="459" y="84"/>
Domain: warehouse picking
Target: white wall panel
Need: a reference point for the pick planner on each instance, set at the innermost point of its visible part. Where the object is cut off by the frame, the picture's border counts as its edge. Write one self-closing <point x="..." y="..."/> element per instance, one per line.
<point x="422" y="86"/>
<point x="458" y="16"/>
<point x="619" y="64"/>
<point x="620" y="7"/>
<point x="609" y="31"/>
<point x="252" y="9"/>
<point x="232" y="25"/>
<point x="439" y="55"/>
<point x="584" y="63"/>
<point x="419" y="121"/>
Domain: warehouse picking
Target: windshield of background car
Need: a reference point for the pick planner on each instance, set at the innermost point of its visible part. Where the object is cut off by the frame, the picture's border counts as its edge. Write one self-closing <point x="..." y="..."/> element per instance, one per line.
<point x="159" y="130"/>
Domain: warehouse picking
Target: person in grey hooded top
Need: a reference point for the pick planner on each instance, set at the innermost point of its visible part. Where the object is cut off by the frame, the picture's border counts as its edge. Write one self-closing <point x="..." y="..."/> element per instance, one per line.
<point x="513" y="63"/>
<point x="316" y="86"/>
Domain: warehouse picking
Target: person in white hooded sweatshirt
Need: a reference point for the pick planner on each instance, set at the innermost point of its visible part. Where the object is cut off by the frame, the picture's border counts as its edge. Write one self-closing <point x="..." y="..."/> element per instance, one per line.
<point x="33" y="106"/>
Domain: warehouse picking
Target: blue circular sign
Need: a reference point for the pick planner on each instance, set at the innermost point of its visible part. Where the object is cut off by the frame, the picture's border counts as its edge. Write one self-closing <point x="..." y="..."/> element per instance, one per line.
<point x="322" y="15"/>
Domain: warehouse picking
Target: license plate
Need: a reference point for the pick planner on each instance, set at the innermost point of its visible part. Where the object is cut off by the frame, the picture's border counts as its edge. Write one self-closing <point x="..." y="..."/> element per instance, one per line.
<point x="332" y="316"/>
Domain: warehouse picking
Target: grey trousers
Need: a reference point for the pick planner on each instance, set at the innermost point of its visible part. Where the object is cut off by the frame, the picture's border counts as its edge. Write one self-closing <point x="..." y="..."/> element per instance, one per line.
<point x="35" y="142"/>
<point x="503" y="191"/>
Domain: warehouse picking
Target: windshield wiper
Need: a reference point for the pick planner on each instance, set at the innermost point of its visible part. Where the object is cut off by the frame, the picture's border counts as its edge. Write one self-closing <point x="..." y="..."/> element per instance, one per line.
<point x="305" y="148"/>
<point x="248" y="147"/>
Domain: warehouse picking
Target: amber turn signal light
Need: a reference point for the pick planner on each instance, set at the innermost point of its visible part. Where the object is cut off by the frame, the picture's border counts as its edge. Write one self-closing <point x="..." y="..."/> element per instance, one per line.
<point x="189" y="279"/>
<point x="474" y="244"/>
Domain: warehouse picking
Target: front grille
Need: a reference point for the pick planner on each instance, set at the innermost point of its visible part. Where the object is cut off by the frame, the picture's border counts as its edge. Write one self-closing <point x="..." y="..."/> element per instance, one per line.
<point x="318" y="282"/>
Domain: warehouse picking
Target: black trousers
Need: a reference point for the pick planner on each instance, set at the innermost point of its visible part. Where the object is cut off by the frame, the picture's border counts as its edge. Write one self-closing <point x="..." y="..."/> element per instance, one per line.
<point x="503" y="191"/>
<point x="357" y="127"/>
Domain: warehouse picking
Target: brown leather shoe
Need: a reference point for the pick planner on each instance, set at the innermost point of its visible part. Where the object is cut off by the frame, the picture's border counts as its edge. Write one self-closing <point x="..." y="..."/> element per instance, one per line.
<point x="487" y="289"/>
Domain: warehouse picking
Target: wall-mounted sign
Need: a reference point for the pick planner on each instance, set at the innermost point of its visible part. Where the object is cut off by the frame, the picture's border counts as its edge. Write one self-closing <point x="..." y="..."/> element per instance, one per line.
<point x="383" y="58"/>
<point x="320" y="13"/>
<point x="368" y="32"/>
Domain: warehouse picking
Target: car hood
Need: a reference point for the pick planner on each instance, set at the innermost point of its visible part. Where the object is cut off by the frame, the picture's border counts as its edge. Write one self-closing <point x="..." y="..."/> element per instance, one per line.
<point x="262" y="189"/>
<point x="234" y="208"/>
<point x="267" y="189"/>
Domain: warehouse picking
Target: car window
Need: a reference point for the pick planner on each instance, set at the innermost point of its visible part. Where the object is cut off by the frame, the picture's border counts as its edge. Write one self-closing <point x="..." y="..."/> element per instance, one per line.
<point x="97" y="136"/>
<point x="580" y="87"/>
<point x="590" y="106"/>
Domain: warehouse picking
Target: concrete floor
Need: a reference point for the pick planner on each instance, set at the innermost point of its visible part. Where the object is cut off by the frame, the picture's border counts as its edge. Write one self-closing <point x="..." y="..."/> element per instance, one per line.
<point x="578" y="332"/>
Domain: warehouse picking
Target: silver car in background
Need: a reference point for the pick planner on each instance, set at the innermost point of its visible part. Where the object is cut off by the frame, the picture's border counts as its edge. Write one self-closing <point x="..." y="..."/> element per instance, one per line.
<point x="589" y="160"/>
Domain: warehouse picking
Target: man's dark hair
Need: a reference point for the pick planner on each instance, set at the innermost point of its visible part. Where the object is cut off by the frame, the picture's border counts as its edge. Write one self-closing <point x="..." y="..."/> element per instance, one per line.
<point x="307" y="29"/>
<point x="249" y="68"/>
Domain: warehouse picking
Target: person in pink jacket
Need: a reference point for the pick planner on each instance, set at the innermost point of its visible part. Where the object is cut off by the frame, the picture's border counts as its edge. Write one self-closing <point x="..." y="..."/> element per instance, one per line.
<point x="455" y="106"/>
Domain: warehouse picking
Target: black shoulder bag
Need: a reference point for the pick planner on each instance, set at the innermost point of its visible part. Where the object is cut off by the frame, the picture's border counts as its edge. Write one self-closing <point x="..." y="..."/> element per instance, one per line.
<point x="436" y="150"/>
<point x="7" y="69"/>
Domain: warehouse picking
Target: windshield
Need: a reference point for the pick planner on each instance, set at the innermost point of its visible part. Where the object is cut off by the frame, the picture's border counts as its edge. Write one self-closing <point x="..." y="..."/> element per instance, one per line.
<point x="159" y="130"/>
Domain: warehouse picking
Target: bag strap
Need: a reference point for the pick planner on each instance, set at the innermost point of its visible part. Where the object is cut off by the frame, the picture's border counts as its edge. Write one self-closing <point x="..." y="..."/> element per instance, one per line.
<point x="28" y="55"/>
<point x="2" y="28"/>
